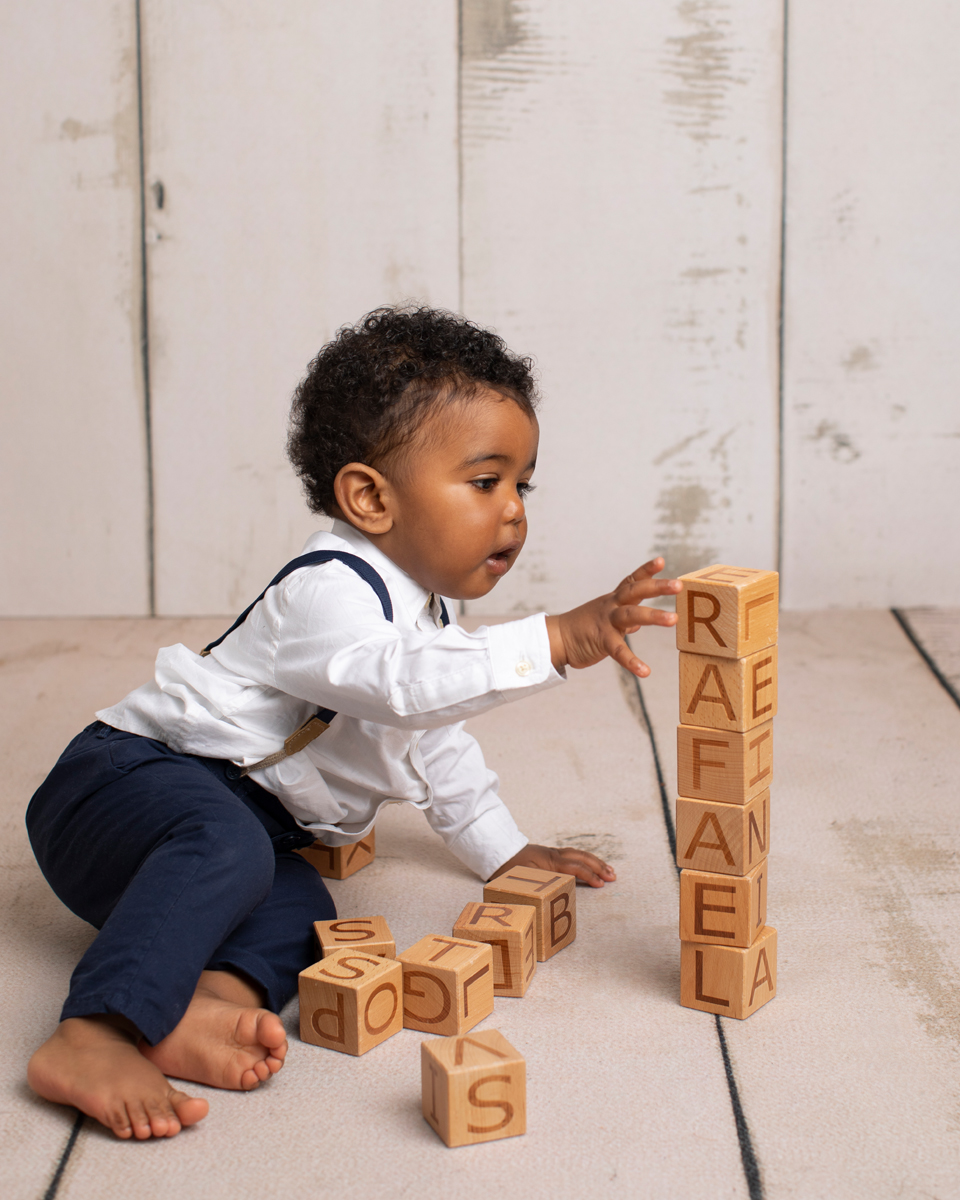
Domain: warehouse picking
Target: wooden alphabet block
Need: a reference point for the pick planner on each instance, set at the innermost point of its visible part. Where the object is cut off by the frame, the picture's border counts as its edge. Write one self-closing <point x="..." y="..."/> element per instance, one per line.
<point x="351" y="1001"/>
<point x="474" y="1088"/>
<point x="713" y="764"/>
<point x="339" y="862"/>
<point x="509" y="930"/>
<point x="554" y="896"/>
<point x="728" y="693"/>
<point x="370" y="934"/>
<point x="727" y="612"/>
<point x="722" y="979"/>
<point x="723" y="910"/>
<point x="730" y="839"/>
<point x="447" y="984"/>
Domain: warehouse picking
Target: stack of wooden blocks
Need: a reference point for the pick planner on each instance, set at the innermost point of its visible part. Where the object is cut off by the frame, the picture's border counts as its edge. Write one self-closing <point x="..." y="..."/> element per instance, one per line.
<point x="362" y="992"/>
<point x="727" y="638"/>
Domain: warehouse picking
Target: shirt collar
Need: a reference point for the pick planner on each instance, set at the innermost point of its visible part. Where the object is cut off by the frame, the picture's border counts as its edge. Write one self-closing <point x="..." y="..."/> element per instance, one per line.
<point x="402" y="588"/>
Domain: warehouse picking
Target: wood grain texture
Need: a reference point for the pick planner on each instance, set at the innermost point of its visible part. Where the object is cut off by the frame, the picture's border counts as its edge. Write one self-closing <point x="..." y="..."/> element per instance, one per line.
<point x="728" y="693"/>
<point x="728" y="612"/>
<point x="340" y="862"/>
<point x="510" y="930"/>
<point x="729" y="839"/>
<point x="351" y="1001"/>
<point x="729" y="767"/>
<point x="723" y="910"/>
<point x="473" y="1088"/>
<point x="371" y="935"/>
<point x="553" y="896"/>
<point x="729" y="981"/>
<point x="447" y="984"/>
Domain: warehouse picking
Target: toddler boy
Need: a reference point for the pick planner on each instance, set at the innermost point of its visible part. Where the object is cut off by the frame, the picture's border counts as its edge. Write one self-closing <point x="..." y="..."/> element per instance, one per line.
<point x="171" y="823"/>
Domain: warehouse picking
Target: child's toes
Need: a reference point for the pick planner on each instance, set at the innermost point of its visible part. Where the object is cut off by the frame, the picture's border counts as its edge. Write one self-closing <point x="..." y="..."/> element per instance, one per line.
<point x="249" y="1080"/>
<point x="271" y="1033"/>
<point x="189" y="1109"/>
<point x="273" y="1063"/>
<point x="117" y="1119"/>
<point x="163" y="1120"/>
<point x="139" y="1121"/>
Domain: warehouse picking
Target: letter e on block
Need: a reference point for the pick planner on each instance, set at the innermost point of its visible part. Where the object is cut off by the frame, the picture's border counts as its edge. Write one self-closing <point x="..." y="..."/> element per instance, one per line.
<point x="728" y="693"/>
<point x="714" y="764"/>
<point x="726" y="980"/>
<point x="447" y="984"/>
<point x="474" y="1088"/>
<point x="351" y="1001"/>
<point x="553" y="896"/>
<point x="729" y="839"/>
<point x="508" y="929"/>
<point x="724" y="910"/>
<point x="339" y="862"/>
<point x="728" y="612"/>
<point x="370" y="934"/>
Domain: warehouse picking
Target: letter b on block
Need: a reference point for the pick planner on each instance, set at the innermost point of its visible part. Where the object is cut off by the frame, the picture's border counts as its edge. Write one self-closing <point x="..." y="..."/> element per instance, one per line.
<point x="553" y="896"/>
<point x="473" y="1088"/>
<point x="351" y="1001"/>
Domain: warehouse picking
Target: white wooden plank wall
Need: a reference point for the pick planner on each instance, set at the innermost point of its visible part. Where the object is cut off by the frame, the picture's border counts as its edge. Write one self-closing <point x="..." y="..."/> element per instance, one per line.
<point x="872" y="395"/>
<point x="72" y="454"/>
<point x="307" y="153"/>
<point x="621" y="200"/>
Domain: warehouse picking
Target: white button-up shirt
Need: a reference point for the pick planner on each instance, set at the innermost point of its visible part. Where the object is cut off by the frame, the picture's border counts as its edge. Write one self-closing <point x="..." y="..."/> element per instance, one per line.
<point x="401" y="690"/>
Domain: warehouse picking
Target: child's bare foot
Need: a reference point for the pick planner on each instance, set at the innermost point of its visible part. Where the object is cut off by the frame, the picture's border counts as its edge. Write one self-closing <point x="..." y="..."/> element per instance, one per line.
<point x="93" y="1064"/>
<point x="224" y="1039"/>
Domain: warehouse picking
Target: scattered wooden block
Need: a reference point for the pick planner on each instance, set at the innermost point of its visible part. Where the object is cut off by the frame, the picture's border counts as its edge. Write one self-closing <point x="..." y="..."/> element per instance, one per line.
<point x="725" y="910"/>
<point x="339" y="862"/>
<point x="725" y="980"/>
<point x="509" y="930"/>
<point x="553" y="895"/>
<point x="728" y="693"/>
<point x="720" y="765"/>
<point x="351" y="1001"/>
<point x="730" y="839"/>
<point x="447" y="984"/>
<point x="370" y="934"/>
<point x="727" y="612"/>
<point x="474" y="1088"/>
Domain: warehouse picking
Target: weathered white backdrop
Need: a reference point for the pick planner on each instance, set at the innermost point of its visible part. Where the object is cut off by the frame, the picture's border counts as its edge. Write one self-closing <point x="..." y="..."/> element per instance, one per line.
<point x="601" y="183"/>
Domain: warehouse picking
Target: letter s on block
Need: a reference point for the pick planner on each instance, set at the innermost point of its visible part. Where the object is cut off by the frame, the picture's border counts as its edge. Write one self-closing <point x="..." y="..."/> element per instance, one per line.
<point x="504" y="1105"/>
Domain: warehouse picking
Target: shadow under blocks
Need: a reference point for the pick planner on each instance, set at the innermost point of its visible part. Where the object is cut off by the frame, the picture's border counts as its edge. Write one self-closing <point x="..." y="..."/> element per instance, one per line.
<point x="727" y="638"/>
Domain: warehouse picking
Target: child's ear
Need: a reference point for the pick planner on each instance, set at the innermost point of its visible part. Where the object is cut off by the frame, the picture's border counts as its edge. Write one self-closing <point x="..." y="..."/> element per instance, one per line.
<point x="363" y="496"/>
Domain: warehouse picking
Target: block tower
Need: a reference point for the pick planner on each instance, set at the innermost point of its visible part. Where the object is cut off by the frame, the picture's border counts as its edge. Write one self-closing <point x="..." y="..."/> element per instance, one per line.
<point x="727" y="638"/>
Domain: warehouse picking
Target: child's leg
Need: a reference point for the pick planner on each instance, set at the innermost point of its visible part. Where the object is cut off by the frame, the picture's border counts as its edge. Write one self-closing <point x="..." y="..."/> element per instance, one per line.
<point x="159" y="853"/>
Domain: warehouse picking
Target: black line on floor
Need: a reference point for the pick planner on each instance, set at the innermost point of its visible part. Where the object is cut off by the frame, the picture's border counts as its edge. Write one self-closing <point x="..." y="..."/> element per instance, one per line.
<point x="751" y="1168"/>
<point x="661" y="782"/>
<point x="64" y="1158"/>
<point x="782" y="287"/>
<point x="944" y="682"/>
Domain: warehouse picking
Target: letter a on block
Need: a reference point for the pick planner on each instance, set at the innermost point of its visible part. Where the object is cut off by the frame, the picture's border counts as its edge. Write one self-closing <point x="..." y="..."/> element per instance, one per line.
<point x="727" y="612"/>
<point x="728" y="693"/>
<point x="729" y="839"/>
<point x="727" y="980"/>
<point x="473" y="1088"/>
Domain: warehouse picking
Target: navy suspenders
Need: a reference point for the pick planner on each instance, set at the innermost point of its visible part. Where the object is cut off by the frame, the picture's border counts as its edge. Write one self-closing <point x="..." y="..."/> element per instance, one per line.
<point x="323" y="716"/>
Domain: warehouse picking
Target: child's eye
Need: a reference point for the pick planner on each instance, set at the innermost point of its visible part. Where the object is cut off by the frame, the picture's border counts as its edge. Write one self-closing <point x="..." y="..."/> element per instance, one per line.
<point x="524" y="489"/>
<point x="484" y="485"/>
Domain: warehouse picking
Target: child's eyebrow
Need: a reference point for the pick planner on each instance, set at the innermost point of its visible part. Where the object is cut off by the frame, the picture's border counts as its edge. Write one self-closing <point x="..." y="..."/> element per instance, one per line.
<point x="482" y="458"/>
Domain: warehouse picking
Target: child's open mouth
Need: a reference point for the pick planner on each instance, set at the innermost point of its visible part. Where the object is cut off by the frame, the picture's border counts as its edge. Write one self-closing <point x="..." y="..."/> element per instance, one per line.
<point x="500" y="562"/>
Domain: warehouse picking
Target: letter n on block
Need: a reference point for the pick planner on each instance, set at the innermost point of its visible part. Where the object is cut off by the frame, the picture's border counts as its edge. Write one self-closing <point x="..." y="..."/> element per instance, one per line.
<point x="339" y="862"/>
<point x="726" y="910"/>
<point x="447" y="984"/>
<point x="726" y="980"/>
<point x="509" y="930"/>
<point x="474" y="1088"/>
<point x="730" y="839"/>
<point x="351" y="1001"/>
<point x="728" y="612"/>
<point x="714" y="764"/>
<point x="553" y="895"/>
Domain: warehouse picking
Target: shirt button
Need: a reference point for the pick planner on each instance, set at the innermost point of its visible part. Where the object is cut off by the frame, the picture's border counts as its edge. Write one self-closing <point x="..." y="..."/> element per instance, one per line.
<point x="524" y="667"/>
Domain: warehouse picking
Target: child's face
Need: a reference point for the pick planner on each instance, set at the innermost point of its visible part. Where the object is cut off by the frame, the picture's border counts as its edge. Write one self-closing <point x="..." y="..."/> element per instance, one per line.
<point x="456" y="501"/>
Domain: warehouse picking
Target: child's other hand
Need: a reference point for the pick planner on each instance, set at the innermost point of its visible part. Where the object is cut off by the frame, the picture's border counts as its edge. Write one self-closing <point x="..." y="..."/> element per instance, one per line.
<point x="598" y="629"/>
<point x="586" y="866"/>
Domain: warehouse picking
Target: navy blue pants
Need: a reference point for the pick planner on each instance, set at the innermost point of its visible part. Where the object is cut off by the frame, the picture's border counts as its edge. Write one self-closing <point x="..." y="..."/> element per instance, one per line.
<point x="183" y="866"/>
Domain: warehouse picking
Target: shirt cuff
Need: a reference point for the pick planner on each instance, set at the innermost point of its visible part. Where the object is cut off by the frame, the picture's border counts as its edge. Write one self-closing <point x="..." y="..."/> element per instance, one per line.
<point x="489" y="841"/>
<point x="520" y="653"/>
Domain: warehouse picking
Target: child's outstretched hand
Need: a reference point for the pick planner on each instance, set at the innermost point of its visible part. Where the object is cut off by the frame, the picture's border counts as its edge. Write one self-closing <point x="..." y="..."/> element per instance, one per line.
<point x="586" y="866"/>
<point x="598" y="629"/>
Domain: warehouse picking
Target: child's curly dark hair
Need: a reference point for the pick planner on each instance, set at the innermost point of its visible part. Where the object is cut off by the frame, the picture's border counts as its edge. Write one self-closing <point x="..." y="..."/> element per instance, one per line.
<point x="368" y="390"/>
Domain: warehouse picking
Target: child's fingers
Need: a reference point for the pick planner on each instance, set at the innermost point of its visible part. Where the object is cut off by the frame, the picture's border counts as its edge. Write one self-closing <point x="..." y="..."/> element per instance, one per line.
<point x="631" y="617"/>
<point x="586" y="867"/>
<point x="617" y="648"/>
<point x="640" y="586"/>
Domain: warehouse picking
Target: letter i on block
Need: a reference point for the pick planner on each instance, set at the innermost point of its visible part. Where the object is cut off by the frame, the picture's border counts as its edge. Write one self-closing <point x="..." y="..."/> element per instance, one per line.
<point x="351" y="1001"/>
<point x="726" y="980"/>
<point x="554" y="896"/>
<point x="339" y="862"/>
<point x="474" y="1088"/>
<point x="509" y="930"/>
<point x="447" y="984"/>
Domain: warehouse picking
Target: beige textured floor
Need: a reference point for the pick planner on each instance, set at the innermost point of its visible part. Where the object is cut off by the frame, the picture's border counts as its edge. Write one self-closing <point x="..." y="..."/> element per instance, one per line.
<point x="848" y="1081"/>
